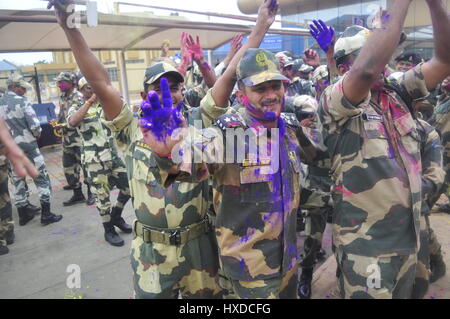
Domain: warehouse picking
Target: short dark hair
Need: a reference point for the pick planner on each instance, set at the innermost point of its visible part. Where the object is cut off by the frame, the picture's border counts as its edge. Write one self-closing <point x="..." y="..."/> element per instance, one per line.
<point x="343" y="59"/>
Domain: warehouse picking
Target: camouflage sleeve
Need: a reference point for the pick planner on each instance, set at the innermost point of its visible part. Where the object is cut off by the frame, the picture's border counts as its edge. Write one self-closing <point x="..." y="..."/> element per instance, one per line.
<point x="414" y="84"/>
<point x="210" y="111"/>
<point x="337" y="105"/>
<point x="70" y="113"/>
<point x="431" y="151"/>
<point x="124" y="127"/>
<point x="32" y="121"/>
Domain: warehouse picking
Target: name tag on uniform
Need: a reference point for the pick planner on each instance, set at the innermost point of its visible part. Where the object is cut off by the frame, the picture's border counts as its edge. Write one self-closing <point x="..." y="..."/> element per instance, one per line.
<point x="372" y="117"/>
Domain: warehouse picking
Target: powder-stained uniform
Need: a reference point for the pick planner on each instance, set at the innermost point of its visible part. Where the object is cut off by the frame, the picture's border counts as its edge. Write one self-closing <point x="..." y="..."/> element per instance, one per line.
<point x="256" y="204"/>
<point x="376" y="166"/>
<point x="174" y="248"/>
<point x="101" y="160"/>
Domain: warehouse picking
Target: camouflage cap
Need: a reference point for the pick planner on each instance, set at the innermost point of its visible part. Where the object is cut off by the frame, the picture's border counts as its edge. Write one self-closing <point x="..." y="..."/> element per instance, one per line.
<point x="17" y="79"/>
<point x="410" y="56"/>
<point x="305" y="68"/>
<point x="154" y="72"/>
<point x="66" y="76"/>
<point x="306" y="103"/>
<point x="258" y="66"/>
<point x="320" y="73"/>
<point x="298" y="63"/>
<point x="351" y="41"/>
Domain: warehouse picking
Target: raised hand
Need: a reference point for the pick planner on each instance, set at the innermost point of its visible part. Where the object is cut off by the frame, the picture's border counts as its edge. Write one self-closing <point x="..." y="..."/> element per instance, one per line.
<point x="194" y="49"/>
<point x="323" y="34"/>
<point x="311" y="58"/>
<point x="267" y="13"/>
<point x="160" y="120"/>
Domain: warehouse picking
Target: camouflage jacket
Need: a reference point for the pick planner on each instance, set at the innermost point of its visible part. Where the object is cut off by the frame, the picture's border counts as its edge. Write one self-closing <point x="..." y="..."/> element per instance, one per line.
<point x="179" y="205"/>
<point x="376" y="167"/>
<point x="256" y="198"/>
<point x="21" y="119"/>
<point x="433" y="174"/>
<point x="97" y="139"/>
<point x="441" y="121"/>
<point x="71" y="137"/>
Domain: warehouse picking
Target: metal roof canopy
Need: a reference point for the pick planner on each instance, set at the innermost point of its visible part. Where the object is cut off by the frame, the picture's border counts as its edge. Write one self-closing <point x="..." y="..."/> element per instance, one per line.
<point x="38" y="30"/>
<point x="32" y="31"/>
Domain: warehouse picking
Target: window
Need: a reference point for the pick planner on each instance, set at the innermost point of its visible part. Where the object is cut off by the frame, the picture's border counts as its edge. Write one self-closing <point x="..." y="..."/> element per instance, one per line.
<point x="112" y="72"/>
<point x="135" y="61"/>
<point x="106" y="55"/>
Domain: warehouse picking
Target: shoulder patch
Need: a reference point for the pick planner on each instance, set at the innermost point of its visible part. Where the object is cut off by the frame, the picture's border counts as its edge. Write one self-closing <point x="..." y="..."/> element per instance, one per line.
<point x="230" y="120"/>
<point x="290" y="119"/>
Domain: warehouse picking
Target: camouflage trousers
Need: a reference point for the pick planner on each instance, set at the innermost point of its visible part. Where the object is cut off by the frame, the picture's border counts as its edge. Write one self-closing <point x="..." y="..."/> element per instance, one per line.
<point x="315" y="224"/>
<point x="103" y="177"/>
<point x="281" y="287"/>
<point x="429" y="246"/>
<point x="316" y="203"/>
<point x="163" y="271"/>
<point x="6" y="223"/>
<point x="42" y="181"/>
<point x="72" y="166"/>
<point x="383" y="277"/>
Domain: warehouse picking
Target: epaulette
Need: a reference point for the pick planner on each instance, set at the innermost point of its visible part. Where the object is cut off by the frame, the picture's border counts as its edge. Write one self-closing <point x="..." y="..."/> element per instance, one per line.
<point x="230" y="120"/>
<point x="290" y="119"/>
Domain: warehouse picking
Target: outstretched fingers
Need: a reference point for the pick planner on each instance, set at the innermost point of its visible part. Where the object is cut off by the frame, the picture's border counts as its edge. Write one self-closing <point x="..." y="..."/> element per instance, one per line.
<point x="166" y="97"/>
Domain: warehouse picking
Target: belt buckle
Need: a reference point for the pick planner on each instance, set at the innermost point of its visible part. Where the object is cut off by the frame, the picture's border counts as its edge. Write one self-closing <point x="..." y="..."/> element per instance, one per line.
<point x="175" y="238"/>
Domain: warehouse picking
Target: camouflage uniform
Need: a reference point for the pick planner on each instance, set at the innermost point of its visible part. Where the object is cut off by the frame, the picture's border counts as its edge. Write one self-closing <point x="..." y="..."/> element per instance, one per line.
<point x="256" y="202"/>
<point x="300" y="86"/>
<point x="164" y="264"/>
<point x="101" y="160"/>
<point x="6" y="223"/>
<point x="376" y="167"/>
<point x="71" y="138"/>
<point x="432" y="180"/>
<point x="25" y="129"/>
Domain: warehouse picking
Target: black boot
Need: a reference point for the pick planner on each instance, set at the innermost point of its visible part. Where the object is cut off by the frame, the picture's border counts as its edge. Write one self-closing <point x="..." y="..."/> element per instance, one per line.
<point x="48" y="217"/>
<point x="444" y="208"/>
<point x="77" y="197"/>
<point x="304" y="287"/>
<point x="25" y="215"/>
<point x="111" y="236"/>
<point x="118" y="221"/>
<point x="91" y="198"/>
<point x="4" y="250"/>
<point x="9" y="236"/>
<point x="437" y="267"/>
<point x="67" y="188"/>
<point x="36" y="210"/>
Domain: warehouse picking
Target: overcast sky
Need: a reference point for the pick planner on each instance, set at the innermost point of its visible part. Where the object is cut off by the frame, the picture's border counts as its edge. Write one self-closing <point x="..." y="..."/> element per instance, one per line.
<point x="106" y="6"/>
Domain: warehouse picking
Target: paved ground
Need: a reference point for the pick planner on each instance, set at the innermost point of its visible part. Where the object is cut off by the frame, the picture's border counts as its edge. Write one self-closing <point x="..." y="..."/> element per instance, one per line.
<point x="37" y="265"/>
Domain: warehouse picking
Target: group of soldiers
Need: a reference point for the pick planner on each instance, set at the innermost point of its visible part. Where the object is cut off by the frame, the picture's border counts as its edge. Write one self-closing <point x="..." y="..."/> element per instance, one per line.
<point x="352" y="147"/>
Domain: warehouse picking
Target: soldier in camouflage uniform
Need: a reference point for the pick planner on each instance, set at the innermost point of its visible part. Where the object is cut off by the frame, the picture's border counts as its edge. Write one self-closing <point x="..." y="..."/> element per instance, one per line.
<point x="376" y="159"/>
<point x="297" y="85"/>
<point x="255" y="200"/>
<point x="102" y="162"/>
<point x="70" y="97"/>
<point x="25" y="129"/>
<point x="315" y="198"/>
<point x="6" y="223"/>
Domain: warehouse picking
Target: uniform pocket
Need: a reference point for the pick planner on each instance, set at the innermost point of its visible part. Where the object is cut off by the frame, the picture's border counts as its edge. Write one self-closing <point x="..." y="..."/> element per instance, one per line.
<point x="376" y="143"/>
<point x="256" y="184"/>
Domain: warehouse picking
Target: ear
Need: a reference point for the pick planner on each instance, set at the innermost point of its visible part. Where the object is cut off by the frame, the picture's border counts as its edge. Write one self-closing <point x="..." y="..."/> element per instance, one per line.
<point x="143" y="95"/>
<point x="342" y="69"/>
<point x="239" y="96"/>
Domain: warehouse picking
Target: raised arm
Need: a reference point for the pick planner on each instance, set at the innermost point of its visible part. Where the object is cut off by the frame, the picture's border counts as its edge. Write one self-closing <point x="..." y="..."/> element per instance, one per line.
<point x="224" y="85"/>
<point x="438" y="68"/>
<point x="76" y="118"/>
<point x="375" y="54"/>
<point x="195" y="50"/>
<point x="20" y="163"/>
<point x="92" y="69"/>
<point x="325" y="38"/>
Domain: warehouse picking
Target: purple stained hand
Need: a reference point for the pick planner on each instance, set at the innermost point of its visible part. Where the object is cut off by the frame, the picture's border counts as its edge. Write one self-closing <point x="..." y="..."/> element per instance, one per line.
<point x="163" y="119"/>
<point x="323" y="34"/>
<point x="273" y="5"/>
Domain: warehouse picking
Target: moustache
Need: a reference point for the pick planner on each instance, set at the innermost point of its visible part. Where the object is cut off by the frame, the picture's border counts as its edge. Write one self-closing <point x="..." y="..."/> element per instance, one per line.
<point x="269" y="102"/>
